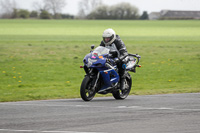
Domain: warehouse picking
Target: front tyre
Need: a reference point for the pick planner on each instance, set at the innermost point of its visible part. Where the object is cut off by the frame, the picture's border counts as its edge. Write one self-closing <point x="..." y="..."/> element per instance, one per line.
<point x="121" y="95"/>
<point x="86" y="91"/>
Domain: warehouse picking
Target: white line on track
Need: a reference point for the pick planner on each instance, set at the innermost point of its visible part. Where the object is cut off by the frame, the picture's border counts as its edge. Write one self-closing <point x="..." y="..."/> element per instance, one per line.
<point x="140" y="107"/>
<point x="13" y="130"/>
<point x="89" y="106"/>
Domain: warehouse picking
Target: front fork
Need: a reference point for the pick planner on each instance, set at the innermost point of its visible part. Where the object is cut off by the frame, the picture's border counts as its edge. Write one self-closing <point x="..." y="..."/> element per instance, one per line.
<point x="94" y="76"/>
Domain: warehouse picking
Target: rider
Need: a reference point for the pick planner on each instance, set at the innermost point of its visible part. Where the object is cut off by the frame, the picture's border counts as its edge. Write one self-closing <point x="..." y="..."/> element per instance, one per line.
<point x="113" y="42"/>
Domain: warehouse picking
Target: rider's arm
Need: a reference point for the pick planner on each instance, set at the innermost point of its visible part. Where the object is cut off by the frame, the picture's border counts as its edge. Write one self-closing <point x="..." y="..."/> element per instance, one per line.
<point x="121" y="47"/>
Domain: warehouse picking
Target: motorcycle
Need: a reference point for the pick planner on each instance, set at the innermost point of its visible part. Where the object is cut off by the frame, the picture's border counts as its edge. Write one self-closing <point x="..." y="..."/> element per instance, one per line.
<point x="102" y="73"/>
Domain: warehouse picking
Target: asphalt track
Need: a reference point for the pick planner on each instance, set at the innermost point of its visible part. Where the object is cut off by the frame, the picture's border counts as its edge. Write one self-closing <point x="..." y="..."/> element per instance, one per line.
<point x="176" y="113"/>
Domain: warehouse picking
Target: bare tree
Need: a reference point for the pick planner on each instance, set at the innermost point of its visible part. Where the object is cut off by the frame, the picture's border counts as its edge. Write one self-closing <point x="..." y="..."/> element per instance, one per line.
<point x="40" y="6"/>
<point x="7" y="7"/>
<point x="51" y="6"/>
<point x="55" y="6"/>
<point x="86" y="6"/>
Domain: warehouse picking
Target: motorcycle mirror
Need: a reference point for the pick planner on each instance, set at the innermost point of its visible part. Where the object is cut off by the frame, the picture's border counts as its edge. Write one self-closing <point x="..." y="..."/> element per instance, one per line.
<point x="92" y="46"/>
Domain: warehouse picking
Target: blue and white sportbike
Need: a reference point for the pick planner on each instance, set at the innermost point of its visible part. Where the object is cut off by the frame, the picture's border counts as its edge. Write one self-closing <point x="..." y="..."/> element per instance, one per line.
<point x="102" y="73"/>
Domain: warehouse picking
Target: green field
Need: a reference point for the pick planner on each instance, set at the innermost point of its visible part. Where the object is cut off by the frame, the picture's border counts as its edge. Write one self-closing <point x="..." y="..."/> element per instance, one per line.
<point x="40" y="59"/>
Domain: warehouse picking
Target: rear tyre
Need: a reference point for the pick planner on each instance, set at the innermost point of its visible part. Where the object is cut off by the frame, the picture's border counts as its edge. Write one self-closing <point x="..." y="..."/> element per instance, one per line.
<point x="86" y="91"/>
<point x="121" y="95"/>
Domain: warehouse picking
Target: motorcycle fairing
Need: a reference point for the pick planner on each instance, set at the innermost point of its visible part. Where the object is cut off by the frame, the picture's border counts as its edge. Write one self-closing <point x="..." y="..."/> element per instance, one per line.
<point x="110" y="77"/>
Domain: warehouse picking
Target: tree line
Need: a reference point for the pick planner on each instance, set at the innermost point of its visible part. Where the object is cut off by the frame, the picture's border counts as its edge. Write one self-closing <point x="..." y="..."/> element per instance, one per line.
<point x="46" y="9"/>
<point x="43" y="14"/>
<point x="88" y="9"/>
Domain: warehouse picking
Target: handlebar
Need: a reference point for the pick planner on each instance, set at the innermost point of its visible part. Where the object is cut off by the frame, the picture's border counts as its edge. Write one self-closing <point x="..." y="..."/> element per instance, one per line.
<point x="137" y="56"/>
<point x="134" y="55"/>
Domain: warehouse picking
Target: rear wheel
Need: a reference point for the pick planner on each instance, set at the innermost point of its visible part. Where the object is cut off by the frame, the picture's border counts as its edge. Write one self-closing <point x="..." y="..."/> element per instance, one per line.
<point x="120" y="95"/>
<point x="86" y="91"/>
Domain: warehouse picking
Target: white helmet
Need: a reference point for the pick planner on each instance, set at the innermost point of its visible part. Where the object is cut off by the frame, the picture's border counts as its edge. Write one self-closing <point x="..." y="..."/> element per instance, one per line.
<point x="109" y="36"/>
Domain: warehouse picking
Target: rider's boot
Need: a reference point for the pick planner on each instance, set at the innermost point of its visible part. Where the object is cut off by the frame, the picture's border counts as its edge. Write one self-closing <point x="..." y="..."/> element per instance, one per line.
<point x="122" y="69"/>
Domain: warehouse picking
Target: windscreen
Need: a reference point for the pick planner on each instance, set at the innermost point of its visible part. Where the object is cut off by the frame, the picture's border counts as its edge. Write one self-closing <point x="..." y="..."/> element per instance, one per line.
<point x="100" y="51"/>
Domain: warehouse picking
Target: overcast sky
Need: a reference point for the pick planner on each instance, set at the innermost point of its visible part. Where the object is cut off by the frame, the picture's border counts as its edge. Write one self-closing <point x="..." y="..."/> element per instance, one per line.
<point x="143" y="5"/>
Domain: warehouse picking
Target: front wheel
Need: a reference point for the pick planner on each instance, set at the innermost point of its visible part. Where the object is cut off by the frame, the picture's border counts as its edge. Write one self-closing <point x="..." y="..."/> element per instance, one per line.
<point x="120" y="95"/>
<point x="86" y="91"/>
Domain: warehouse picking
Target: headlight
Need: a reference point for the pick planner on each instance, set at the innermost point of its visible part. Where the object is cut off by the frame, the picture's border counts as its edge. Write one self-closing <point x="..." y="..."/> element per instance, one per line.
<point x="90" y="62"/>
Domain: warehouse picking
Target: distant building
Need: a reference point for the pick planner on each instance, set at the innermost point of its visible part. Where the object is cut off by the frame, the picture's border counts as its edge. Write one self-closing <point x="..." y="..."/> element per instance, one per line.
<point x="154" y="15"/>
<point x="170" y="14"/>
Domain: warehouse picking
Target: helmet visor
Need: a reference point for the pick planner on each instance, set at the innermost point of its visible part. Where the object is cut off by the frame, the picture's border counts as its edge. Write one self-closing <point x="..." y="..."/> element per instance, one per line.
<point x="106" y="39"/>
